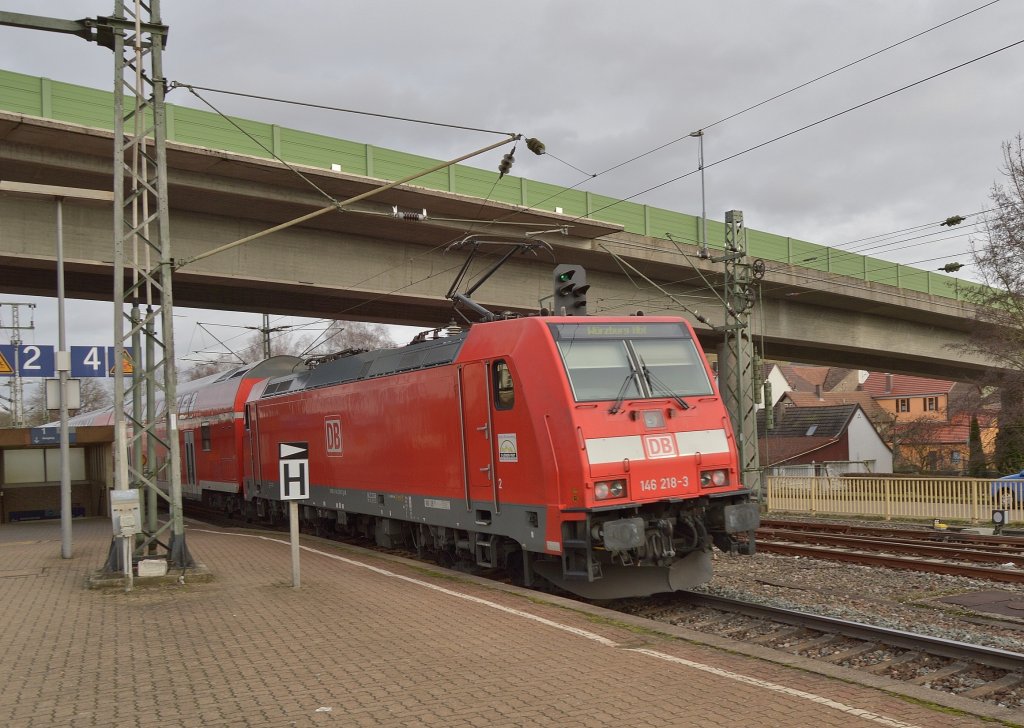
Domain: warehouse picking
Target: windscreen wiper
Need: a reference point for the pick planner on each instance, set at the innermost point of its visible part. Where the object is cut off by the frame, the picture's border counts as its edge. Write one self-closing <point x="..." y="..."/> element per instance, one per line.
<point x="621" y="396"/>
<point x="656" y="384"/>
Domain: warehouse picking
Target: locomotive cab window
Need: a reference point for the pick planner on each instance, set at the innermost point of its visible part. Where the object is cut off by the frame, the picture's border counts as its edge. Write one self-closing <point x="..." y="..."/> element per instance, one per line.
<point x="634" y="361"/>
<point x="599" y="370"/>
<point x="504" y="389"/>
<point x="207" y="437"/>
<point x="672" y="367"/>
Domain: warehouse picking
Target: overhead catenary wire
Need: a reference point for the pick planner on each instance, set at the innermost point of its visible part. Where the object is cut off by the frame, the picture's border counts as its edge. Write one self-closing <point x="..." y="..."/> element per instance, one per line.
<point x="411" y="120"/>
<point x="813" y="275"/>
<point x="763" y="143"/>
<point x="754" y="106"/>
<point x="805" y="127"/>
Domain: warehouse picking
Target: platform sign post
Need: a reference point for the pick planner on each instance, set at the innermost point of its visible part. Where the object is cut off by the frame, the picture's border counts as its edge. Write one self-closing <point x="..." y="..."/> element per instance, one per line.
<point x="293" y="469"/>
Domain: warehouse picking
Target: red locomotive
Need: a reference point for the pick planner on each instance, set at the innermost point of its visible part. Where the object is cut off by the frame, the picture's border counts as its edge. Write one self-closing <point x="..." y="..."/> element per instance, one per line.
<point x="592" y="451"/>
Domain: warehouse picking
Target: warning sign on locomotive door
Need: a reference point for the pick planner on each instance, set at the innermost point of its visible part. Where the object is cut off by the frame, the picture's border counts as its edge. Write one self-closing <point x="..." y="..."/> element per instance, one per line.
<point x="293" y="468"/>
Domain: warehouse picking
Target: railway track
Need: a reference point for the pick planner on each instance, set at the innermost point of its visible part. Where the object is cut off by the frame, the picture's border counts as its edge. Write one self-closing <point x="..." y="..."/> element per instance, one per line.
<point x="970" y="671"/>
<point x="1013" y="544"/>
<point x="976" y="556"/>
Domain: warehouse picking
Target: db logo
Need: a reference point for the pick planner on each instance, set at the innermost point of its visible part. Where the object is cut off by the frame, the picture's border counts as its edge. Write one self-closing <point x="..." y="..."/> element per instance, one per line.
<point x="332" y="433"/>
<point x="660" y="446"/>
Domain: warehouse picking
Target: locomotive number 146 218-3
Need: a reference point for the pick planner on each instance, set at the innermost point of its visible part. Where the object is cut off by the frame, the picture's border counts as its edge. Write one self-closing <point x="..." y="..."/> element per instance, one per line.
<point x="664" y="483"/>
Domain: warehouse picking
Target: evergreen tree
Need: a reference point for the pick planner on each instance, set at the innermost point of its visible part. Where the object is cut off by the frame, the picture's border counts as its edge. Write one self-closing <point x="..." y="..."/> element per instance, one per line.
<point x="976" y="465"/>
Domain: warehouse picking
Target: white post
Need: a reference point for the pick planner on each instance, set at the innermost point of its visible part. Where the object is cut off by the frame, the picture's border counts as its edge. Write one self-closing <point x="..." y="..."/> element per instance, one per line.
<point x="293" y="527"/>
<point x="65" y="452"/>
<point x="127" y="548"/>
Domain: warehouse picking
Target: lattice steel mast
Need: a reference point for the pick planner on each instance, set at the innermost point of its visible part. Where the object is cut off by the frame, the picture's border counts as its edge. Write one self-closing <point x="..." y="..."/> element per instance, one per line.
<point x="142" y="261"/>
<point x="738" y="375"/>
<point x="142" y="276"/>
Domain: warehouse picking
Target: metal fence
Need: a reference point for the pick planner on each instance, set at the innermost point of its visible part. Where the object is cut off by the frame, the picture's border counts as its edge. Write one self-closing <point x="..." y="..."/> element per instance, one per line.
<point x="957" y="499"/>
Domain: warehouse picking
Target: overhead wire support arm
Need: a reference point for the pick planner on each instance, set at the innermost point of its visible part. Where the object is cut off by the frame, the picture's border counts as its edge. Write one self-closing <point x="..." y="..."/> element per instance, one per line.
<point x="340" y="206"/>
<point x="700" y="317"/>
<point x="99" y="30"/>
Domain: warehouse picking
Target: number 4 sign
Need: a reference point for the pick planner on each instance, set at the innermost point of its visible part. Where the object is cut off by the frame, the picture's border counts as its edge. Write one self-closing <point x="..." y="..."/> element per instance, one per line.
<point x="97" y="361"/>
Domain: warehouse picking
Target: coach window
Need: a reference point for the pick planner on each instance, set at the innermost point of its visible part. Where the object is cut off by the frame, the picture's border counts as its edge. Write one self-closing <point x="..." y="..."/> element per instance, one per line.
<point x="504" y="390"/>
<point x="204" y="429"/>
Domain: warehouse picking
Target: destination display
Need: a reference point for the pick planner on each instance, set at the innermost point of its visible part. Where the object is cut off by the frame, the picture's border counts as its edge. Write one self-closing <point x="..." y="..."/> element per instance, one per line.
<point x="638" y="330"/>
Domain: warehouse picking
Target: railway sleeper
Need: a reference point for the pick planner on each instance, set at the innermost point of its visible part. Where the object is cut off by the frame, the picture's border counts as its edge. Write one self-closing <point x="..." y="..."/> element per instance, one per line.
<point x="894" y="661"/>
<point x="779" y="634"/>
<point x="822" y="640"/>
<point x="849" y="654"/>
<point x="950" y="670"/>
<point x="1007" y="682"/>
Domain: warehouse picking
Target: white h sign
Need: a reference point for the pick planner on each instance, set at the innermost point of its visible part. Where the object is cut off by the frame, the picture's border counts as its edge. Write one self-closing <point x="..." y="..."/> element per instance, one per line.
<point x="293" y="469"/>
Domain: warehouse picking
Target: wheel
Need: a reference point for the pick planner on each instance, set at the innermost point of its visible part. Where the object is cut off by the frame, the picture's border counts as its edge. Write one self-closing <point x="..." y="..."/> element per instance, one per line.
<point x="1005" y="498"/>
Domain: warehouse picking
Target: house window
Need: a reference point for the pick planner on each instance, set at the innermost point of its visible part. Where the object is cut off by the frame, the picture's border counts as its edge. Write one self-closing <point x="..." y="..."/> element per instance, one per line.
<point x="902" y="405"/>
<point x="931" y="404"/>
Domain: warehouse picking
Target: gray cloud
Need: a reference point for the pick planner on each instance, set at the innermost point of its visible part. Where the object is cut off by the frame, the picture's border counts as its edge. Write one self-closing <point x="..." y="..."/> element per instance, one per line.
<point x="601" y="82"/>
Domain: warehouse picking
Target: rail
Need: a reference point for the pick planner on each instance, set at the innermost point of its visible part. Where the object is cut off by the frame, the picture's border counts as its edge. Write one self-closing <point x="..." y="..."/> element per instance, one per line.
<point x="951" y="649"/>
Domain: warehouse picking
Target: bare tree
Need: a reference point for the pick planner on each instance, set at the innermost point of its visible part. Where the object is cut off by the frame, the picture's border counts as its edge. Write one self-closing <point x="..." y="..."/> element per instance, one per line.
<point x="95" y="394"/>
<point x="337" y="335"/>
<point x="351" y="335"/>
<point x="999" y="333"/>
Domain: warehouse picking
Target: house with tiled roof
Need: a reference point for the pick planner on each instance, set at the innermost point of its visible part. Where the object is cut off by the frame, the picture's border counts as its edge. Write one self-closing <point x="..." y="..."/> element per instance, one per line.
<point x="803" y="378"/>
<point x="928" y="436"/>
<point x="821" y="440"/>
<point x="909" y="397"/>
<point x="871" y="408"/>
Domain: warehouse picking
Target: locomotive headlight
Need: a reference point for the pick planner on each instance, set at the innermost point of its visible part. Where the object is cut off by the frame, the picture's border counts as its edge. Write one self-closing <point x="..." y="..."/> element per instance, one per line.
<point x="713" y="478"/>
<point x="605" y="489"/>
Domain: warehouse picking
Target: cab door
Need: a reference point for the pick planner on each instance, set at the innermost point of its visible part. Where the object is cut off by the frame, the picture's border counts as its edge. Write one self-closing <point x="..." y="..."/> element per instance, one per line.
<point x="478" y="439"/>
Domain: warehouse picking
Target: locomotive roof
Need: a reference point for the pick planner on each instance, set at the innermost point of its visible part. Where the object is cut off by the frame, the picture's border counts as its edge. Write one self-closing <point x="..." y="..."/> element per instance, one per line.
<point x="370" y="364"/>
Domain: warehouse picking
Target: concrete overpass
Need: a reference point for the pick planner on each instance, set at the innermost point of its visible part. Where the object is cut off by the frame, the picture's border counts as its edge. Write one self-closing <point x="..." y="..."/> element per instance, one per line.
<point x="366" y="265"/>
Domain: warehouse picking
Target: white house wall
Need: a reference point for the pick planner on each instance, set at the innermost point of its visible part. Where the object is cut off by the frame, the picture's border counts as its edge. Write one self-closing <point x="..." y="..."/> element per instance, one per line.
<point x="866" y="445"/>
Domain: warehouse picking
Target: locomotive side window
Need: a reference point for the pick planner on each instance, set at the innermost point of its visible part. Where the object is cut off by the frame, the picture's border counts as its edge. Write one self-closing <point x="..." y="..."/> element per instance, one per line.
<point x="504" y="390"/>
<point x="206" y="435"/>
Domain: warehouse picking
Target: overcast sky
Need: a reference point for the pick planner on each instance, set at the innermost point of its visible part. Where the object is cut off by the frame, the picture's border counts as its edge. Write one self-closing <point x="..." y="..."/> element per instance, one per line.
<point x="602" y="82"/>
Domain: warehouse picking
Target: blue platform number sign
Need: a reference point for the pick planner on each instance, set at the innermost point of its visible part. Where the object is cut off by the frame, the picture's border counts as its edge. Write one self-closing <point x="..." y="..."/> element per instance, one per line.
<point x="97" y="361"/>
<point x="30" y="360"/>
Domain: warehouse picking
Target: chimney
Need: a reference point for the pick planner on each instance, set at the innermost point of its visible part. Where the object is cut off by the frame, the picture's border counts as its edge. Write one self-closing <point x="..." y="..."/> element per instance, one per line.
<point x="888" y="383"/>
<point x="817" y="391"/>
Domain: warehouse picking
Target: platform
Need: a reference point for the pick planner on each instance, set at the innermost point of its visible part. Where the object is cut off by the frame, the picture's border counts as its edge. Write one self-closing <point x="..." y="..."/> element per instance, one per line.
<point x="376" y="640"/>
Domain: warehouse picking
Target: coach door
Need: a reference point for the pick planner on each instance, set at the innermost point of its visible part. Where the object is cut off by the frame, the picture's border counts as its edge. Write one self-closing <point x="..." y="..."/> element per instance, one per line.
<point x="190" y="461"/>
<point x="252" y="450"/>
<point x="477" y="438"/>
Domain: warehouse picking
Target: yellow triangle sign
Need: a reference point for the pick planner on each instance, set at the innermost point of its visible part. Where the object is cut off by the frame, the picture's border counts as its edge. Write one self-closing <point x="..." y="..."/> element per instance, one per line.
<point x="5" y="366"/>
<point x="127" y="365"/>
